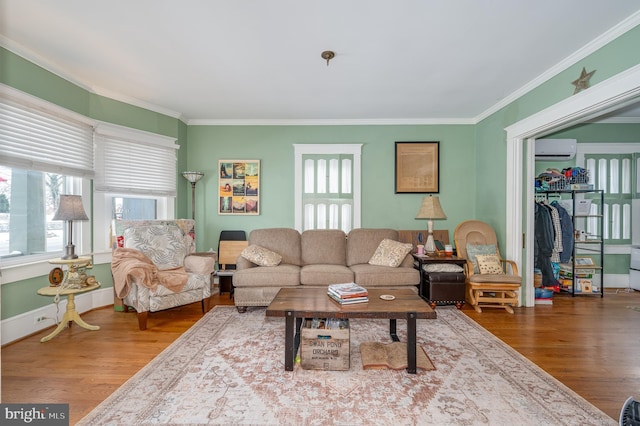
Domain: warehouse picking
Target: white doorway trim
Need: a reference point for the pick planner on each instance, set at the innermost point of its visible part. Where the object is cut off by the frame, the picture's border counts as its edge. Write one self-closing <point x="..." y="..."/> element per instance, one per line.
<point x="619" y="90"/>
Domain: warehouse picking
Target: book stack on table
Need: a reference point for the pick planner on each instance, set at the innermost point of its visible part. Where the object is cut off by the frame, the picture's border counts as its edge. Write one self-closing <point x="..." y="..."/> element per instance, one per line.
<point x="348" y="293"/>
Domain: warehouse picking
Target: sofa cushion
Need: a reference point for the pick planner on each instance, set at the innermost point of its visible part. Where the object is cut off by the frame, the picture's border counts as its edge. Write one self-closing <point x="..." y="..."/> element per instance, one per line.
<point x="325" y="274"/>
<point x="261" y="256"/>
<point x="362" y="243"/>
<point x="324" y="246"/>
<point x="384" y="276"/>
<point x="283" y="275"/>
<point x="284" y="241"/>
<point x="163" y="244"/>
<point x="390" y="253"/>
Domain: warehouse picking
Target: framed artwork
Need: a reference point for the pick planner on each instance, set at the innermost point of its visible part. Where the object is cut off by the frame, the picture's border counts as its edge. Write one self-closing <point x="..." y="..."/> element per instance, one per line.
<point x="417" y="167"/>
<point x="239" y="187"/>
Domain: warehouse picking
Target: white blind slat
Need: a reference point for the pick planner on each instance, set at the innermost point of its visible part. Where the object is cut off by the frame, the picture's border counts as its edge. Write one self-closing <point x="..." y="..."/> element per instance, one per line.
<point x="124" y="166"/>
<point x="35" y="139"/>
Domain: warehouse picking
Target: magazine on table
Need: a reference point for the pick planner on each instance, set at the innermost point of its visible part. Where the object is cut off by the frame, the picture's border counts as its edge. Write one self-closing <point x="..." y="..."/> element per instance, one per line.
<point x="348" y="301"/>
<point x="348" y="290"/>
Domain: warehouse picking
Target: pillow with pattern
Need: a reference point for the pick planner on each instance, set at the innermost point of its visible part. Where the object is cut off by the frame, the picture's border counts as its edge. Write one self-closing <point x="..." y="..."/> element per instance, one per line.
<point x="489" y="264"/>
<point x="475" y="249"/>
<point x="390" y="253"/>
<point x="261" y="256"/>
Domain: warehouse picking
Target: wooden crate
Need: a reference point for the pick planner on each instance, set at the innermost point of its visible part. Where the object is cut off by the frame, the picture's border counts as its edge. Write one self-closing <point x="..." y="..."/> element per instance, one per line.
<point x="324" y="349"/>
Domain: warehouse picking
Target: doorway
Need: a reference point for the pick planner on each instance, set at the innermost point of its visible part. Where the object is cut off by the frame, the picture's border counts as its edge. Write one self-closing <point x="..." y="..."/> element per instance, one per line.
<point x="619" y="91"/>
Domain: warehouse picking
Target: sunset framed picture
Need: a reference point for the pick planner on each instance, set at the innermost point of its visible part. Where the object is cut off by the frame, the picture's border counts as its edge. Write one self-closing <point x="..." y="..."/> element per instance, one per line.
<point x="239" y="187"/>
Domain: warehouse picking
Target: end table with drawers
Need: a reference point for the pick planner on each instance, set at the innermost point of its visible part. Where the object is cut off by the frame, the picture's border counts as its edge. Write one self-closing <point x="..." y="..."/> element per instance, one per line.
<point x="442" y="279"/>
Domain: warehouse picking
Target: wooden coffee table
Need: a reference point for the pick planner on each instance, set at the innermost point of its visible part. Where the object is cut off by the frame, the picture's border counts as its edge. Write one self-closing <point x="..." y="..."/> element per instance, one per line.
<point x="297" y="303"/>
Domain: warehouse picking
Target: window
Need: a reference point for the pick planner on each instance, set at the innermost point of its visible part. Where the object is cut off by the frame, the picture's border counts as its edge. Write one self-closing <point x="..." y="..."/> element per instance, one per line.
<point x="327" y="193"/>
<point x="45" y="151"/>
<point x="135" y="179"/>
<point x="612" y="168"/>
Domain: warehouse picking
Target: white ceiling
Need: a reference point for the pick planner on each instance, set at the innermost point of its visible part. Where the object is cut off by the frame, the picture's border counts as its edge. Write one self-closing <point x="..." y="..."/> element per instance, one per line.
<point x="259" y="61"/>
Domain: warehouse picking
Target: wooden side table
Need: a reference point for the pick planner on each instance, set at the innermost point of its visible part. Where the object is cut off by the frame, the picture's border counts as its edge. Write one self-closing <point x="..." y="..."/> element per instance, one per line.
<point x="441" y="288"/>
<point x="70" y="314"/>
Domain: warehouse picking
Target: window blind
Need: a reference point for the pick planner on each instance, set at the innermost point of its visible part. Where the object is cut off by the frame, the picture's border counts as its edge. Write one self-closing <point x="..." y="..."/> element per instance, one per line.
<point x="34" y="136"/>
<point x="135" y="163"/>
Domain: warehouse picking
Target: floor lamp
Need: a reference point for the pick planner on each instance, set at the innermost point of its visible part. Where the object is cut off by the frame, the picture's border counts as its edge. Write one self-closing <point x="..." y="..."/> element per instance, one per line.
<point x="193" y="177"/>
<point x="430" y="209"/>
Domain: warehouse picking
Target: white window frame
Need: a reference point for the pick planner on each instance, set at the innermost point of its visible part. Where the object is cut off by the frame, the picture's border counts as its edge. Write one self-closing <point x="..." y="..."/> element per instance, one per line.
<point x="607" y="148"/>
<point x="102" y="206"/>
<point x="327" y="149"/>
<point x="26" y="267"/>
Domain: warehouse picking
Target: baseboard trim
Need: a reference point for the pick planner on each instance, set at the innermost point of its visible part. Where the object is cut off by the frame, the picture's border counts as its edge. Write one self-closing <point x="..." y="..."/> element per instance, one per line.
<point x="22" y="325"/>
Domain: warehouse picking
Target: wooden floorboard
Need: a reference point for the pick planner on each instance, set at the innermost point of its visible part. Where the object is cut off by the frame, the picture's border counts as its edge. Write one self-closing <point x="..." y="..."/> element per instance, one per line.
<point x="588" y="343"/>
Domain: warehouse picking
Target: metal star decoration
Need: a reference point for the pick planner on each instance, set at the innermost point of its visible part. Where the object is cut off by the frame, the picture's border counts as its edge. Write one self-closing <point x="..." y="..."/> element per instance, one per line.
<point x="583" y="81"/>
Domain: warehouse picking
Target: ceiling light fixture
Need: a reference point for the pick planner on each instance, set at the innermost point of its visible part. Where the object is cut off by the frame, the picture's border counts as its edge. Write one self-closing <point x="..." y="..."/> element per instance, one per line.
<point x="328" y="55"/>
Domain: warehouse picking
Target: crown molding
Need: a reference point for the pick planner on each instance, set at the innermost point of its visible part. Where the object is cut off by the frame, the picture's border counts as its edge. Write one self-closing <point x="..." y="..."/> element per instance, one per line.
<point x="329" y="122"/>
<point x="610" y="35"/>
<point x="616" y="120"/>
<point x="38" y="60"/>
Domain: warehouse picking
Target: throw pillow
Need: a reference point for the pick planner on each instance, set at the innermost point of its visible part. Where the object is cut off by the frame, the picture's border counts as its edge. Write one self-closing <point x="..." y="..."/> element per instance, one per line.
<point x="261" y="256"/>
<point x="489" y="264"/>
<point x="475" y="249"/>
<point x="442" y="267"/>
<point x="390" y="253"/>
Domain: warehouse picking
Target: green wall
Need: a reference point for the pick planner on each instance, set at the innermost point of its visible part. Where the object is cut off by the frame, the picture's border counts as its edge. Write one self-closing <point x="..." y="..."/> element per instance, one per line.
<point x="381" y="207"/>
<point x="613" y="58"/>
<point x="472" y="157"/>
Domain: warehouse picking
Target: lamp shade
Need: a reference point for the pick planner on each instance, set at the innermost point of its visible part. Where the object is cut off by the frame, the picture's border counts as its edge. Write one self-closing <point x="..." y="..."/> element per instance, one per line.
<point x="70" y="208"/>
<point x="431" y="209"/>
<point x="193" y="177"/>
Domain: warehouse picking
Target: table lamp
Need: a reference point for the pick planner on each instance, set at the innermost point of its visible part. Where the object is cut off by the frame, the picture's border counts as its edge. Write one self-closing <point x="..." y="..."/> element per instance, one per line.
<point x="70" y="208"/>
<point x="430" y="209"/>
<point x="193" y="177"/>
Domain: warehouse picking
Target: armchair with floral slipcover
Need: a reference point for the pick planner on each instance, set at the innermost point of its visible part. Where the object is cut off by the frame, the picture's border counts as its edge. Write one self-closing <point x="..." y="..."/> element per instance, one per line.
<point x="154" y="266"/>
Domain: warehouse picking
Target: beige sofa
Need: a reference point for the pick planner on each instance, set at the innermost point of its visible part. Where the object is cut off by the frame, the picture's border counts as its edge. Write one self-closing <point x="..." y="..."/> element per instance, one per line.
<point x="318" y="258"/>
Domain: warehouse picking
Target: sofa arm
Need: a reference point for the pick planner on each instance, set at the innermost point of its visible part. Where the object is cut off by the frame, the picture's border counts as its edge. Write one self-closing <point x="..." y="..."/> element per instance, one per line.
<point x="242" y="263"/>
<point x="202" y="265"/>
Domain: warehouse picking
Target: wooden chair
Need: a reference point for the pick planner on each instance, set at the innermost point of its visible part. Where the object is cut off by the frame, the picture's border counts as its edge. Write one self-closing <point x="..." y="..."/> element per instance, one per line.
<point x="496" y="289"/>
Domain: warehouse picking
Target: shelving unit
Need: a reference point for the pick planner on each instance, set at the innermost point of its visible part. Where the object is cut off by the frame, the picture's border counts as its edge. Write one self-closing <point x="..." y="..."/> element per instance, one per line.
<point x="592" y="245"/>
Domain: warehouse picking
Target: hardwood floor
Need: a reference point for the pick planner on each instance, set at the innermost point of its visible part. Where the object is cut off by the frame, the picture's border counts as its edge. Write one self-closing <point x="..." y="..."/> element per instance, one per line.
<point x="588" y="343"/>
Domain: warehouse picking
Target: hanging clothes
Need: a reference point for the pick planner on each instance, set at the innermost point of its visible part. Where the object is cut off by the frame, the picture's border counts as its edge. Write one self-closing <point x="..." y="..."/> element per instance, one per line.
<point x="566" y="229"/>
<point x="544" y="244"/>
<point x="557" y="234"/>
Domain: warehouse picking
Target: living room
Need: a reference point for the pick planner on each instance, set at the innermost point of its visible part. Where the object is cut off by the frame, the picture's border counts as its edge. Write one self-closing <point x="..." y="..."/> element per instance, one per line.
<point x="476" y="156"/>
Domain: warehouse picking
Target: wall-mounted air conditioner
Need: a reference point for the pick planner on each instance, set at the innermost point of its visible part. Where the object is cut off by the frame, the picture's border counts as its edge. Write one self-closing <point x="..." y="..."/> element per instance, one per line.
<point x="555" y="149"/>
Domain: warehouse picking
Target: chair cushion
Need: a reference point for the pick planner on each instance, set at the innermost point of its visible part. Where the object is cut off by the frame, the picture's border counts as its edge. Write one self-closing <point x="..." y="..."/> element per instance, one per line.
<point x="163" y="244"/>
<point x="497" y="279"/>
<point x="261" y="256"/>
<point x="489" y="264"/>
<point x="390" y="253"/>
<point x="475" y="249"/>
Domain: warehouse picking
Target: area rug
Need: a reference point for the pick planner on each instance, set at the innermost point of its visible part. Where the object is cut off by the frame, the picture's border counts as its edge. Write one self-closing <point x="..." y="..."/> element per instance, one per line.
<point x="229" y="369"/>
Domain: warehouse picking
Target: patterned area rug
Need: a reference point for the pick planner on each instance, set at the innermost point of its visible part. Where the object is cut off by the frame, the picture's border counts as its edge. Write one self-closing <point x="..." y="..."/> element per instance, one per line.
<point x="229" y="369"/>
